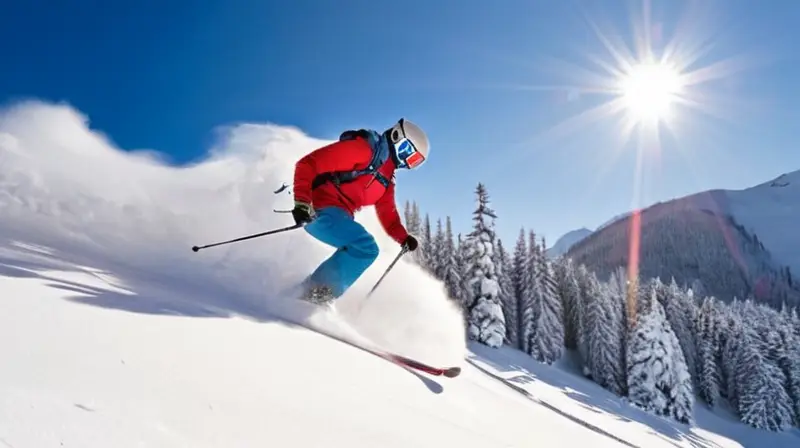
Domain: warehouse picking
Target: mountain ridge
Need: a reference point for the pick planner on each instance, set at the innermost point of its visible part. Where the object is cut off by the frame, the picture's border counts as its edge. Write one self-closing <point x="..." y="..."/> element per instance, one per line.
<point x="746" y="234"/>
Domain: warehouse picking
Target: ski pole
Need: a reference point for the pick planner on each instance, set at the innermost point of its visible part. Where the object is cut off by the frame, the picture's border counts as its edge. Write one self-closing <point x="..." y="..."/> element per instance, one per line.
<point x="396" y="259"/>
<point x="270" y="232"/>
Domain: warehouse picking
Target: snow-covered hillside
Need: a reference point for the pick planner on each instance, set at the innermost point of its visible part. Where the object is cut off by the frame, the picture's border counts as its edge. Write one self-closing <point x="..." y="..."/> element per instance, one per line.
<point x="168" y="375"/>
<point x="154" y="370"/>
<point x="770" y="210"/>
<point x="566" y="241"/>
<point x="114" y="334"/>
<point x="736" y="242"/>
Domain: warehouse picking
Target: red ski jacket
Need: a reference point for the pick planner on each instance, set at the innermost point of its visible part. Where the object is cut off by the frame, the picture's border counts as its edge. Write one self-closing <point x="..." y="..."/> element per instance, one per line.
<point x="363" y="191"/>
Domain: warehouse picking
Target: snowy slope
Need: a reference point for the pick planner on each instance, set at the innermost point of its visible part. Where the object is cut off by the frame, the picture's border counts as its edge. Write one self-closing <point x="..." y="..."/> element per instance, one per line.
<point x="566" y="241"/>
<point x="113" y="333"/>
<point x="770" y="210"/>
<point x="81" y="376"/>
<point x="563" y="389"/>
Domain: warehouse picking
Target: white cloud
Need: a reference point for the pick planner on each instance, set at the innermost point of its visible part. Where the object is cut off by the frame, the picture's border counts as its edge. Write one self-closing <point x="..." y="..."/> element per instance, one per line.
<point x="68" y="187"/>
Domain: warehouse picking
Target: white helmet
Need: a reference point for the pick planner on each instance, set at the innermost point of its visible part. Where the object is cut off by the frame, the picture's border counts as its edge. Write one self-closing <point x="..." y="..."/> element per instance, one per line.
<point x="411" y="145"/>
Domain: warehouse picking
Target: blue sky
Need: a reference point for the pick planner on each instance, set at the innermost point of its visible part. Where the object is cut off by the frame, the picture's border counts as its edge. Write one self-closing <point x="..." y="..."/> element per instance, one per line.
<point x="489" y="81"/>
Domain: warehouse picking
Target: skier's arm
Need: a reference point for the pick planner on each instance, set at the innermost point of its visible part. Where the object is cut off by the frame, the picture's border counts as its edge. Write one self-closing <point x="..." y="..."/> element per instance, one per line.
<point x="386" y="209"/>
<point x="338" y="156"/>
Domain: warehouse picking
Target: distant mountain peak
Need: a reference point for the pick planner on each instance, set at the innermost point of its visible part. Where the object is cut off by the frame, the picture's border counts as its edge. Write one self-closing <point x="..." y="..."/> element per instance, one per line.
<point x="567" y="240"/>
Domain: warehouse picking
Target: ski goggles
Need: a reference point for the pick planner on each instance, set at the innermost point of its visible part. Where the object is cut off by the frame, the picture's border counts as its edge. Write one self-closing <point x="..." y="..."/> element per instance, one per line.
<point x="408" y="155"/>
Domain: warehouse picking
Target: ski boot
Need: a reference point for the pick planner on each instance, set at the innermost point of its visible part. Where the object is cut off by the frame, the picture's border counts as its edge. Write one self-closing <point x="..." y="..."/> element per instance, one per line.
<point x="318" y="295"/>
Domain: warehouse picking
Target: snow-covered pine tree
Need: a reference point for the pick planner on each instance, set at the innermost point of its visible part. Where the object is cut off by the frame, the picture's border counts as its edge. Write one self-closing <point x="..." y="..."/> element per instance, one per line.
<point x="519" y="281"/>
<point x="507" y="298"/>
<point x="730" y="352"/>
<point x="658" y="380"/>
<point x="708" y="349"/>
<point x="762" y="401"/>
<point x="530" y="291"/>
<point x="617" y="317"/>
<point x="408" y="217"/>
<point x="789" y="361"/>
<point x="486" y="321"/>
<point x="722" y="323"/>
<point x="680" y="313"/>
<point x="413" y="227"/>
<point x="780" y="347"/>
<point x="437" y="256"/>
<point x="416" y="221"/>
<point x="590" y="288"/>
<point x="697" y="288"/>
<point x="795" y="319"/>
<point x="603" y="327"/>
<point x="465" y="245"/>
<point x="569" y="290"/>
<point x="452" y="265"/>
<point x="546" y="341"/>
<point x="425" y="250"/>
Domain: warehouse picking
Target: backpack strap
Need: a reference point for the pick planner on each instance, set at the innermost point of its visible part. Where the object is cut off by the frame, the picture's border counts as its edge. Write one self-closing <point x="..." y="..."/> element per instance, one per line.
<point x="380" y="153"/>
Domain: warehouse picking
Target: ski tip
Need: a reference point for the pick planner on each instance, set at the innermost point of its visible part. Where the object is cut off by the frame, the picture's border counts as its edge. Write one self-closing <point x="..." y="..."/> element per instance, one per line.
<point x="452" y="372"/>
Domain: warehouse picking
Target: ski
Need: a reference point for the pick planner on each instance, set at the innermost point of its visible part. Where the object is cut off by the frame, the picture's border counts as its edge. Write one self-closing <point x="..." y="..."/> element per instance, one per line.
<point x="400" y="360"/>
<point x="449" y="372"/>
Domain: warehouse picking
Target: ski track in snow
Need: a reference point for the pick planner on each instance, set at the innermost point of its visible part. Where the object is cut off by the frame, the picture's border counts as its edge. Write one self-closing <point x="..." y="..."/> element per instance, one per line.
<point x="113" y="333"/>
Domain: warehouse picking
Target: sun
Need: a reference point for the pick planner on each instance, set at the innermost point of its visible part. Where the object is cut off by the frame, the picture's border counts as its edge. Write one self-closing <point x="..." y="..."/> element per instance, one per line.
<point x="646" y="91"/>
<point x="649" y="90"/>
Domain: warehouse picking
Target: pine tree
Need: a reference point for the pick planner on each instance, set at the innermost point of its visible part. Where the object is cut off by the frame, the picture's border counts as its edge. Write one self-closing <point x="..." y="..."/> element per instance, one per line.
<point x="408" y="218"/>
<point x="708" y="351"/>
<point x="730" y="352"/>
<point x="519" y="280"/>
<point x="413" y="227"/>
<point x="546" y="341"/>
<point x="569" y="291"/>
<point x="486" y="321"/>
<point x="507" y="298"/>
<point x="452" y="266"/>
<point x="416" y="226"/>
<point x="788" y="359"/>
<point x="658" y="379"/>
<point x="426" y="256"/>
<point x="530" y="283"/>
<point x="602" y="332"/>
<point x="589" y="290"/>
<point x="437" y="261"/>
<point x="680" y="314"/>
<point x="762" y="401"/>
<point x="464" y="268"/>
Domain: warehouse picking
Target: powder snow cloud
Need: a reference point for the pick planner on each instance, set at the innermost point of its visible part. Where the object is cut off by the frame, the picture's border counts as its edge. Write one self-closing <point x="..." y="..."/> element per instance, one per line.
<point x="68" y="187"/>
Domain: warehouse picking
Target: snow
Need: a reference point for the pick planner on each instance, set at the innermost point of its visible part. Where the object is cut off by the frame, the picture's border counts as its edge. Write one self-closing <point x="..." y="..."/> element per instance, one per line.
<point x="82" y="376"/>
<point x="566" y="241"/>
<point x="561" y="387"/>
<point x="114" y="334"/>
<point x="770" y="210"/>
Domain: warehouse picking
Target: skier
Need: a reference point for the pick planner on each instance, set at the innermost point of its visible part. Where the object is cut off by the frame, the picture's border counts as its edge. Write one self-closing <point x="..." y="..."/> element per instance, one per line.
<point x="336" y="180"/>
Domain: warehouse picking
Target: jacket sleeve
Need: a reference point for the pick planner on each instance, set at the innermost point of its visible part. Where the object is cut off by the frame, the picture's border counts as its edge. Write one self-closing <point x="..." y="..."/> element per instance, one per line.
<point x="338" y="156"/>
<point x="386" y="209"/>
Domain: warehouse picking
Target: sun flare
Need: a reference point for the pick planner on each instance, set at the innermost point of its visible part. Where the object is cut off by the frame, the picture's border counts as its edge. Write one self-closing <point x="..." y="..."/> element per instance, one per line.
<point x="649" y="90"/>
<point x="646" y="90"/>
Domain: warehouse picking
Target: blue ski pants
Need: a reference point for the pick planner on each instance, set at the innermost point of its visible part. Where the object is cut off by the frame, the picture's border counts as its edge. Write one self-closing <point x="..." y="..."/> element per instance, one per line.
<point x="356" y="249"/>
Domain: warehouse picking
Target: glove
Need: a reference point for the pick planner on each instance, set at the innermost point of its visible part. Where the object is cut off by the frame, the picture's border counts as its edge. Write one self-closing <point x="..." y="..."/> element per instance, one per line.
<point x="411" y="243"/>
<point x="302" y="213"/>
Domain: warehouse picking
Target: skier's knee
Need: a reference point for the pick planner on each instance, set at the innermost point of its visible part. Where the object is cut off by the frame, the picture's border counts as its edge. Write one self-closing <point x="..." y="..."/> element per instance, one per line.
<point x="367" y="248"/>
